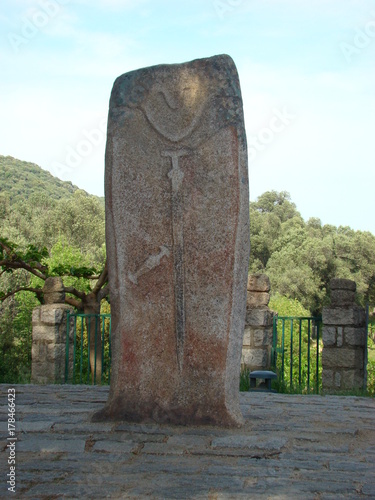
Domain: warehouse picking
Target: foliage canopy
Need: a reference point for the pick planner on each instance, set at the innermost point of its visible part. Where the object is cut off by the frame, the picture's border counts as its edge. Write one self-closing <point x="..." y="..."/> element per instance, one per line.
<point x="301" y="257"/>
<point x="54" y="228"/>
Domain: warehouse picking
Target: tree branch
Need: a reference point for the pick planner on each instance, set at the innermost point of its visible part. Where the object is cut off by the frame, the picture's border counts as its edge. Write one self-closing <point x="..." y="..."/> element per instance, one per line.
<point x="103" y="278"/>
<point x="78" y="304"/>
<point x="37" y="291"/>
<point x="20" y="264"/>
<point x="74" y="291"/>
<point x="14" y="261"/>
<point x="103" y="293"/>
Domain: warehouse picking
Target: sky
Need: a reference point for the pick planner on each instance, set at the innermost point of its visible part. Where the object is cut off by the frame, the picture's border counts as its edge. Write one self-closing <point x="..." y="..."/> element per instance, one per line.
<point x="306" y="69"/>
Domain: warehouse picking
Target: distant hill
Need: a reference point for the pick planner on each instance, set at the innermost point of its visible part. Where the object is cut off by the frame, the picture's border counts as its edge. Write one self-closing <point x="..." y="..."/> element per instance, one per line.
<point x="37" y="208"/>
<point x="20" y="180"/>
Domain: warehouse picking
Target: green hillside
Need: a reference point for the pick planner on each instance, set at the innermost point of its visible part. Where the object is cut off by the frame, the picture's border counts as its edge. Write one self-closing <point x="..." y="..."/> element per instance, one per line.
<point x="37" y="208"/>
<point x="23" y="180"/>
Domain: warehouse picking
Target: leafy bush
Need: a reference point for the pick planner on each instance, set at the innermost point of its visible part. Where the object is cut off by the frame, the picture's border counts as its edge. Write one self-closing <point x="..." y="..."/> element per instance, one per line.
<point x="16" y="339"/>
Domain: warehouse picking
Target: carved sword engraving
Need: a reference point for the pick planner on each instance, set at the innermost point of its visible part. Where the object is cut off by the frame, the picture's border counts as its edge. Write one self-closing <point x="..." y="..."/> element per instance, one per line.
<point x="176" y="176"/>
<point x="152" y="262"/>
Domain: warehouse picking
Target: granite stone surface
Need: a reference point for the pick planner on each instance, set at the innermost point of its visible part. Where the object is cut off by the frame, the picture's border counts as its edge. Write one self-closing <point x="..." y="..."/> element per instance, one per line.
<point x="290" y="447"/>
<point x="177" y="232"/>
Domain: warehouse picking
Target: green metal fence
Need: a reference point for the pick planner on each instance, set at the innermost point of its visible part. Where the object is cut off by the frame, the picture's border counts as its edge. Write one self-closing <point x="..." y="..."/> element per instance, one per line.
<point x="88" y="349"/>
<point x="296" y="353"/>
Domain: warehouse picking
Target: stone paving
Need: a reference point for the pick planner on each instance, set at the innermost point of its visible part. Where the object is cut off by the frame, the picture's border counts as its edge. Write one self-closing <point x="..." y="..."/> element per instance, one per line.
<point x="291" y="447"/>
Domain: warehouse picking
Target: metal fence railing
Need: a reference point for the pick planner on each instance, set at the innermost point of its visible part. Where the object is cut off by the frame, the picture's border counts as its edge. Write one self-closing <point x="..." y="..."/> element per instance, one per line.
<point x="88" y="349"/>
<point x="296" y="353"/>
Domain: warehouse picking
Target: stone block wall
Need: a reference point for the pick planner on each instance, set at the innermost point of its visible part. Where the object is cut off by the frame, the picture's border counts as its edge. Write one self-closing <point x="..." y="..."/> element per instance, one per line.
<point x="49" y="335"/>
<point x="257" y="342"/>
<point x="344" y="339"/>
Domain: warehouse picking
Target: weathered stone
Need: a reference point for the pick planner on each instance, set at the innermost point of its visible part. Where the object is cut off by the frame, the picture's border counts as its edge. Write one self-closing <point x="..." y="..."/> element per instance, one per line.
<point x="259" y="317"/>
<point x="36" y="316"/>
<point x="267" y="443"/>
<point x="355" y="336"/>
<point x="257" y="299"/>
<point x="255" y="359"/>
<point x="50" y="445"/>
<point x="42" y="373"/>
<point x="246" y="337"/>
<point x="297" y="446"/>
<point x="342" y="284"/>
<point x="43" y="333"/>
<point x="177" y="228"/>
<point x="342" y="358"/>
<point x="352" y="379"/>
<point x="52" y="314"/>
<point x="53" y="291"/>
<point x="340" y="336"/>
<point x="342" y="380"/>
<point x="327" y="379"/>
<point x="39" y="351"/>
<point x="329" y="335"/>
<point x="258" y="283"/>
<point x="107" y="446"/>
<point x="342" y="298"/>
<point x="344" y="339"/>
<point x="262" y="337"/>
<point x="353" y="316"/>
<point x="56" y="352"/>
<point x="49" y="344"/>
<point x="259" y="323"/>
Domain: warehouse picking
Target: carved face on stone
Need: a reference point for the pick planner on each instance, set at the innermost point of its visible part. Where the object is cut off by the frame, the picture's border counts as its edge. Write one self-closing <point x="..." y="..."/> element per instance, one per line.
<point x="174" y="106"/>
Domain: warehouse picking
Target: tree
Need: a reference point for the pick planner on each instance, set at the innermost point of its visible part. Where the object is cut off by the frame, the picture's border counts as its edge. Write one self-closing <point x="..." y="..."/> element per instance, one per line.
<point x="264" y="231"/>
<point x="267" y="215"/>
<point x="85" y="287"/>
<point x="276" y="203"/>
<point x="16" y="338"/>
<point x="301" y="258"/>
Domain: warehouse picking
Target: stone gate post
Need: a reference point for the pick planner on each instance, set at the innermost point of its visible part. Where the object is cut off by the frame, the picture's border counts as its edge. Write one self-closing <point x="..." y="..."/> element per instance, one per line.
<point x="49" y="335"/>
<point x="257" y="342"/>
<point x="344" y="339"/>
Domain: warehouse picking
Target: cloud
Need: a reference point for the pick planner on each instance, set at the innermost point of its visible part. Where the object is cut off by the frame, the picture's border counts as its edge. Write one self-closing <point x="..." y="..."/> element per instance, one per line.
<point x="113" y="4"/>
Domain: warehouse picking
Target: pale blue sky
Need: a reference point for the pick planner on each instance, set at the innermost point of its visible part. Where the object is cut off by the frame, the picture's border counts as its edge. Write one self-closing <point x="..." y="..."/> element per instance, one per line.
<point x="306" y="69"/>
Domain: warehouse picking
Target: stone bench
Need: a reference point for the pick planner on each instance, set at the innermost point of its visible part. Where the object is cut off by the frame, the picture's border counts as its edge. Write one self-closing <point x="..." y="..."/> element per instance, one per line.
<point x="265" y="375"/>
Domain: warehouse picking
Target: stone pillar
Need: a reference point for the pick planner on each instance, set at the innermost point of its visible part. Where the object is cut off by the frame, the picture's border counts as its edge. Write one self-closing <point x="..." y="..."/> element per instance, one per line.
<point x="257" y="342"/>
<point x="344" y="339"/>
<point x="177" y="231"/>
<point x="49" y="335"/>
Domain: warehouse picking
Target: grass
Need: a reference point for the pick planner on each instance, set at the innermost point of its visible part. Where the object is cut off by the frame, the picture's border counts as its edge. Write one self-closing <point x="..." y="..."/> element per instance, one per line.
<point x="244" y="380"/>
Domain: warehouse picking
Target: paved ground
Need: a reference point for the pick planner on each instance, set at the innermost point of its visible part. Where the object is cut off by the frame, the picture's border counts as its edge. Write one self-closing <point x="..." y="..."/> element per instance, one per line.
<point x="292" y="447"/>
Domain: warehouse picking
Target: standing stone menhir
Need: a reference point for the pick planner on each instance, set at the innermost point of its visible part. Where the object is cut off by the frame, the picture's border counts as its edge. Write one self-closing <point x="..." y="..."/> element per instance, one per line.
<point x="177" y="222"/>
